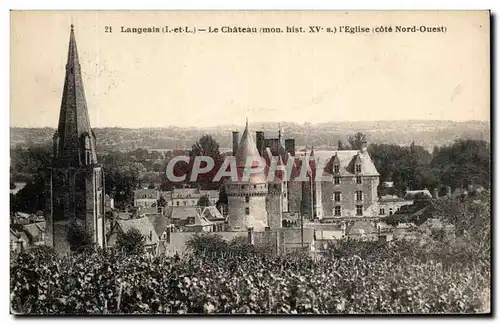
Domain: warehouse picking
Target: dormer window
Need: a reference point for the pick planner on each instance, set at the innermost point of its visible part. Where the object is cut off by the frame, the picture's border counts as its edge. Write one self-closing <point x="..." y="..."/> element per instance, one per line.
<point x="336" y="168"/>
<point x="358" y="168"/>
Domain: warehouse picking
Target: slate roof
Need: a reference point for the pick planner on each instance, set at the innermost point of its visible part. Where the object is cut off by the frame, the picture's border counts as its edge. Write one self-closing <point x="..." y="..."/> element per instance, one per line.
<point x="34" y="229"/>
<point x="184" y="212"/>
<point x="73" y="117"/>
<point x="247" y="150"/>
<point x="159" y="223"/>
<point x="390" y="198"/>
<point x="211" y="212"/>
<point x="346" y="159"/>
<point x="415" y="194"/>
<point x="200" y="220"/>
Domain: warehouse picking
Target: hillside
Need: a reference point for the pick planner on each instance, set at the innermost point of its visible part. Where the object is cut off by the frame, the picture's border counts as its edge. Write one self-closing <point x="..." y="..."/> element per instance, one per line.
<point x="325" y="135"/>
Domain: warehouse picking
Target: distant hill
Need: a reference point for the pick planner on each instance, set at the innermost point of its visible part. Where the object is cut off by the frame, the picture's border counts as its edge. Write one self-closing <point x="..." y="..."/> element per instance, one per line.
<point x="323" y="136"/>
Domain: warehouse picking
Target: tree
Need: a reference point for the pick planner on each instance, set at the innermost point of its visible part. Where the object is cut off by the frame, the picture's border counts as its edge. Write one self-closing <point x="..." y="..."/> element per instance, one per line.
<point x="131" y="242"/>
<point x="201" y="244"/>
<point x="204" y="201"/>
<point x="207" y="146"/>
<point x="405" y="166"/>
<point x="162" y="202"/>
<point x="32" y="197"/>
<point x="357" y="141"/>
<point x="120" y="183"/>
<point x="464" y="162"/>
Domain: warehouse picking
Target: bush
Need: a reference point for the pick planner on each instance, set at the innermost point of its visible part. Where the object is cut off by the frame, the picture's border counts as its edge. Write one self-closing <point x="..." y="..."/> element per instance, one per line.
<point x="131" y="242"/>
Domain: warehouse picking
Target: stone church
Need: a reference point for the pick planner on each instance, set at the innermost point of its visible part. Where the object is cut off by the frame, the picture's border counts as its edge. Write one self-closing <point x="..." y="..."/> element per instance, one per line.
<point x="75" y="181"/>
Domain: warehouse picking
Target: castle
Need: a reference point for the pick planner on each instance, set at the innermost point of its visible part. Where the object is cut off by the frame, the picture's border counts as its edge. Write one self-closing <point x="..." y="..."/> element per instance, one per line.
<point x="346" y="191"/>
<point x="75" y="181"/>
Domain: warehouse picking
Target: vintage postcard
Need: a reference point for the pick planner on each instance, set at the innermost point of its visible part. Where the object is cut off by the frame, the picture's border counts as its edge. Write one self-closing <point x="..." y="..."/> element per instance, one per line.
<point x="250" y="162"/>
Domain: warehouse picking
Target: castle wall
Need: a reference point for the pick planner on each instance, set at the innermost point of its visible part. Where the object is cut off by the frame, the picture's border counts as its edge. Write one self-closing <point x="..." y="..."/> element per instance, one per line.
<point x="274" y="209"/>
<point x="294" y="196"/>
<point x="258" y="213"/>
<point x="327" y="198"/>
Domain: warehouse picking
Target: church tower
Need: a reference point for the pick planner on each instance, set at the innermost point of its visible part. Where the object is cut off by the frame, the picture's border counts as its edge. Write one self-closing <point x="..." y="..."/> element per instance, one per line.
<point x="75" y="182"/>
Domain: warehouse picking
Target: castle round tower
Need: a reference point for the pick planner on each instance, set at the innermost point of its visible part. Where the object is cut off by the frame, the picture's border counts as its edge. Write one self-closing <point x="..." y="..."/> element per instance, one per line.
<point x="246" y="198"/>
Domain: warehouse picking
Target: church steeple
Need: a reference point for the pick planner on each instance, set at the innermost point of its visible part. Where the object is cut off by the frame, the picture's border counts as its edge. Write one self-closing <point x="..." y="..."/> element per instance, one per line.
<point x="74" y="141"/>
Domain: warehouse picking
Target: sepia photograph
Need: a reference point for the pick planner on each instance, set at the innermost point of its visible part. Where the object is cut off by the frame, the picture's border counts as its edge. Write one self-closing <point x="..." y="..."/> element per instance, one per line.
<point x="250" y="162"/>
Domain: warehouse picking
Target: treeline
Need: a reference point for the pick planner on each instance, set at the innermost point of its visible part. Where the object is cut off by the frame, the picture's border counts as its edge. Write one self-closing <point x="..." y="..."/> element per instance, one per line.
<point x="465" y="162"/>
<point x="458" y="165"/>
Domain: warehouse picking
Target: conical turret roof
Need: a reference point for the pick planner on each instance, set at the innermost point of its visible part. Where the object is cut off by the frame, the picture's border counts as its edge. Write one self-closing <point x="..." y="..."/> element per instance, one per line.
<point x="247" y="151"/>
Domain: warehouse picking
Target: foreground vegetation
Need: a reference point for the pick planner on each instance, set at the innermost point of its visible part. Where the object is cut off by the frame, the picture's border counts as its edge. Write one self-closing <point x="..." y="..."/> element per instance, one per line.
<point x="238" y="278"/>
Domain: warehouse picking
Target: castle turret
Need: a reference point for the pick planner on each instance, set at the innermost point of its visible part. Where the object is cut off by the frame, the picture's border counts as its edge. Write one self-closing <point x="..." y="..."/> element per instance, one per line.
<point x="246" y="196"/>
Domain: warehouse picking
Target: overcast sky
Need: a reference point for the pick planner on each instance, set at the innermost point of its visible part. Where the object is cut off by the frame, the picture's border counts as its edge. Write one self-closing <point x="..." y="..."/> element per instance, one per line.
<point x="155" y="80"/>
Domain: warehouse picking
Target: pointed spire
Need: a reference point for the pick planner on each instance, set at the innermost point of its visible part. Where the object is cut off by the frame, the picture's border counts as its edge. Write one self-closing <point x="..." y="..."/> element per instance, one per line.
<point x="72" y="51"/>
<point x="72" y="148"/>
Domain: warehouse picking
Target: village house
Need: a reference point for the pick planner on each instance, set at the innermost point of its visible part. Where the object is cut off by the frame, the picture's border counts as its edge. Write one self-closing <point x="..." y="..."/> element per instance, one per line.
<point x="143" y="225"/>
<point x="18" y="241"/>
<point x="185" y="197"/>
<point x="146" y="197"/>
<point x="390" y="204"/>
<point x="35" y="233"/>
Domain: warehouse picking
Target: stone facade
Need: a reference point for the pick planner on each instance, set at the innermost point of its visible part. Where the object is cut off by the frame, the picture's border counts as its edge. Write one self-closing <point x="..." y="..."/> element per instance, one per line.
<point x="247" y="206"/>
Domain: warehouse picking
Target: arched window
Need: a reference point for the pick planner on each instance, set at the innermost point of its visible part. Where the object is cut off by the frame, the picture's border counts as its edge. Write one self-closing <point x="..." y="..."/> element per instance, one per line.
<point x="87" y="149"/>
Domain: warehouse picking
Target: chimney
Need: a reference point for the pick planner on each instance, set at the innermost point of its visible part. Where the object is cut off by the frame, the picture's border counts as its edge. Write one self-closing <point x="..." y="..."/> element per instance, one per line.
<point x="364" y="146"/>
<point x="436" y="193"/>
<point x="290" y="146"/>
<point x="340" y="145"/>
<point x="259" y="136"/>
<point x="236" y="140"/>
<point x="448" y="191"/>
<point x="251" y="238"/>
